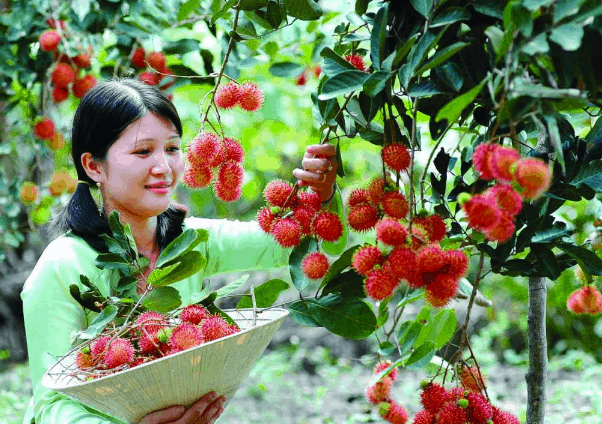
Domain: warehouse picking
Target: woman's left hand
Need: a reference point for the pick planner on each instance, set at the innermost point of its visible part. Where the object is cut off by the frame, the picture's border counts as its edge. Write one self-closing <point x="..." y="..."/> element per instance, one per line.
<point x="319" y="169"/>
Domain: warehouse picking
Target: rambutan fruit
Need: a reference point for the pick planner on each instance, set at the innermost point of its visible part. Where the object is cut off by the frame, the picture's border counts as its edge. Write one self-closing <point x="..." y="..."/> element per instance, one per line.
<point x="301" y="79"/>
<point x="396" y="157"/>
<point x="479" y="409"/>
<point x="150" y="322"/>
<point x="507" y="199"/>
<point x="357" y="196"/>
<point x="149" y="78"/>
<point x="357" y="61"/>
<point x="119" y="352"/>
<point x="230" y="175"/>
<point x="393" y="412"/>
<point x="44" y="129"/>
<point x="471" y="379"/>
<point x="574" y="303"/>
<point x="391" y="232"/>
<point x="379" y="391"/>
<point x="441" y="290"/>
<point x="156" y="60"/>
<point x="383" y="366"/>
<point x="287" y="232"/>
<point x="59" y="93"/>
<point x="592" y="300"/>
<point x="197" y="176"/>
<point x="138" y="58"/>
<point x="433" y="397"/>
<point x="49" y="40"/>
<point x="481" y="159"/>
<point x="185" y="336"/>
<point x="227" y="194"/>
<point x="380" y="283"/>
<point x="501" y="162"/>
<point x="164" y="335"/>
<point x="304" y="216"/>
<point x="362" y="217"/>
<point x="451" y="414"/>
<point x="60" y="182"/>
<point x="533" y="176"/>
<point x="204" y="146"/>
<point x="503" y="229"/>
<point x="365" y="258"/>
<point x="83" y="85"/>
<point x="265" y="218"/>
<point x="402" y="262"/>
<point x="419" y="238"/>
<point x="233" y="149"/>
<point x="98" y="346"/>
<point x="376" y="190"/>
<point x="434" y="225"/>
<point x="424" y="417"/>
<point x="28" y="193"/>
<point x="63" y="75"/>
<point x="227" y="96"/>
<point x="315" y="265"/>
<point x="250" y="97"/>
<point x="327" y="226"/>
<point x="457" y="262"/>
<point x="233" y="329"/>
<point x="482" y="212"/>
<point x="276" y="192"/>
<point x="194" y="314"/>
<point x="214" y="327"/>
<point x="395" y="205"/>
<point x="430" y="259"/>
<point x="84" y="358"/>
<point x="503" y="417"/>
<point x="82" y="60"/>
<point x="309" y="199"/>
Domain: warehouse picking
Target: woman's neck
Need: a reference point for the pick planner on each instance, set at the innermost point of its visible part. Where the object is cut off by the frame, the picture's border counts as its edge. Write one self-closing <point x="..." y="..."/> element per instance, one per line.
<point x="144" y="232"/>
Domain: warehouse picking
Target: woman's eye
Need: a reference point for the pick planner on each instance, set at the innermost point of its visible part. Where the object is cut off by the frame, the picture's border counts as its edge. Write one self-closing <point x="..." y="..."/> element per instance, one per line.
<point x="174" y="149"/>
<point x="142" y="152"/>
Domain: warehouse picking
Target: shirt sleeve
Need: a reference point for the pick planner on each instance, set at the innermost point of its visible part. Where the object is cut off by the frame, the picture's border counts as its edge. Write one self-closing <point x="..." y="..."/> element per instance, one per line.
<point x="238" y="246"/>
<point x="51" y="317"/>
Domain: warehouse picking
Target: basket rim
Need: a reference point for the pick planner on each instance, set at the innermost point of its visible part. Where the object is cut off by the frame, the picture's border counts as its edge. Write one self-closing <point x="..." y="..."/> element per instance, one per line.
<point x="283" y="313"/>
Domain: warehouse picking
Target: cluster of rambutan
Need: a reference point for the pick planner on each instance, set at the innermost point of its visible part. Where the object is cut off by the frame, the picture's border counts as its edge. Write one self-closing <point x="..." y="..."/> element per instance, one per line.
<point x="585" y="300"/>
<point x="67" y="69"/>
<point x="416" y="259"/>
<point x="153" y="69"/>
<point x="493" y="212"/>
<point x="458" y="406"/>
<point x="291" y="217"/>
<point x="153" y="335"/>
<point x="246" y="95"/>
<point x="380" y="394"/>
<point x="212" y="159"/>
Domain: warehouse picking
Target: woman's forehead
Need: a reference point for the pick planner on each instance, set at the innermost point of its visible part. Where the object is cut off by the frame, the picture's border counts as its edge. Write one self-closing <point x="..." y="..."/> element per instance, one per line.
<point x="150" y="127"/>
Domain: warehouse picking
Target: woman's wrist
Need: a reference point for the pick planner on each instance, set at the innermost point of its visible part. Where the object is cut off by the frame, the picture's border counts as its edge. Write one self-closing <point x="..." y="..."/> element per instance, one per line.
<point x="334" y="191"/>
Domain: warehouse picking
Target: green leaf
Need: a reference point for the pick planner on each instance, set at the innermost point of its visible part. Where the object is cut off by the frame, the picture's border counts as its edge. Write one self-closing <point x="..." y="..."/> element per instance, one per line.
<point x="452" y="110"/>
<point x="564" y="8"/>
<point x="232" y="286"/>
<point x="569" y="36"/>
<point x="376" y="83"/>
<point x="403" y="49"/>
<point x="275" y="14"/>
<point x="538" y="45"/>
<point x="421" y="356"/>
<point x="300" y="280"/>
<point x="587" y="259"/>
<point x="111" y="261"/>
<point x="442" y="56"/>
<point x="287" y="69"/>
<point x="351" y="318"/>
<point x="521" y="17"/>
<point x="535" y="4"/>
<point x="496" y="37"/>
<point x="443" y="327"/>
<point x="305" y="10"/>
<point x="300" y="313"/>
<point x="187" y="8"/>
<point x="333" y="63"/>
<point x="378" y="35"/>
<point x="223" y="11"/>
<point x="526" y="88"/>
<point x="493" y="8"/>
<point x="408" y="333"/>
<point x="450" y="16"/>
<point x="182" y="46"/>
<point x="590" y="174"/>
<point x="184" y="243"/>
<point x="99" y="323"/>
<point x="417" y="55"/>
<point x="426" y="88"/>
<point x="265" y="294"/>
<point x="336" y="206"/>
<point x="555" y="140"/>
<point x="547" y="262"/>
<point x="383" y="312"/>
<point x="189" y="264"/>
<point x="343" y="83"/>
<point x="81" y="8"/>
<point x="162" y="299"/>
<point x="450" y="75"/>
<point x="423" y="7"/>
<point x="361" y="6"/>
<point x="252" y="4"/>
<point x="246" y="30"/>
<point x="339" y="265"/>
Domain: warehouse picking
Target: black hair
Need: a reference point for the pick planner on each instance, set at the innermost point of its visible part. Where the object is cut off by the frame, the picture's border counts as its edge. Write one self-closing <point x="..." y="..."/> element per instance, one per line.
<point x="102" y="115"/>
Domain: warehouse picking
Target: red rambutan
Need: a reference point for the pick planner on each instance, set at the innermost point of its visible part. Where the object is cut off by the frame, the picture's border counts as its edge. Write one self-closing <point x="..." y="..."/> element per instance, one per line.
<point x="156" y="60"/>
<point x="501" y="162"/>
<point x="227" y="194"/>
<point x="383" y="366"/>
<point x="59" y="93"/>
<point x="277" y="191"/>
<point x="430" y="259"/>
<point x="533" y="176"/>
<point x="395" y="205"/>
<point x="479" y="409"/>
<point x="119" y="352"/>
<point x="82" y="60"/>
<point x="304" y="216"/>
<point x="424" y="417"/>
<point x="376" y="190"/>
<point x="315" y="265"/>
<point x="366" y="258"/>
<point x="84" y="358"/>
<point x="441" y="290"/>
<point x="362" y="217"/>
<point x="63" y="75"/>
<point x="194" y="314"/>
<point x="83" y="85"/>
<point x="250" y="97"/>
<point x="592" y="300"/>
<point x="503" y="229"/>
<point x="483" y="213"/>
<point x="185" y="336"/>
<point x="503" y="417"/>
<point x="380" y="391"/>
<point x="433" y="397"/>
<point x="214" y="327"/>
<point x="451" y="414"/>
<point x="197" y="176"/>
<point x="396" y="157"/>
<point x="457" y="262"/>
<point x="98" y="346"/>
<point x="358" y="196"/>
<point x="45" y="129"/>
<point x="150" y="78"/>
<point x="138" y="58"/>
<point x="227" y="96"/>
<point x="265" y="218"/>
<point x="204" y="147"/>
<point x="287" y="232"/>
<point x="393" y="412"/>
<point x="380" y="283"/>
<point x="327" y="226"/>
<point x="234" y="150"/>
<point x="357" y="61"/>
<point x="49" y="40"/>
<point x="481" y="159"/>
<point x="391" y="232"/>
<point x="309" y="199"/>
<point x="434" y="225"/>
<point x="230" y="175"/>
<point x="402" y="262"/>
<point x="507" y="199"/>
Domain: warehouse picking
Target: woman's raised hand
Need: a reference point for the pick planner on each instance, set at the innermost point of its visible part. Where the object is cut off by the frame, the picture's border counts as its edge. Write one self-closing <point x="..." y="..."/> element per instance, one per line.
<point x="203" y="411"/>
<point x="319" y="169"/>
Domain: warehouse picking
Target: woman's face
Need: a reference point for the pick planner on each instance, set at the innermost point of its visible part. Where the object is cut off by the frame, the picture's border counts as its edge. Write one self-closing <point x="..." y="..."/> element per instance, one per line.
<point x="143" y="168"/>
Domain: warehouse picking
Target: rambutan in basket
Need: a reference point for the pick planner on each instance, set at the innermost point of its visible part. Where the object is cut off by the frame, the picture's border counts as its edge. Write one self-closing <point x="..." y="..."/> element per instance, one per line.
<point x="178" y="379"/>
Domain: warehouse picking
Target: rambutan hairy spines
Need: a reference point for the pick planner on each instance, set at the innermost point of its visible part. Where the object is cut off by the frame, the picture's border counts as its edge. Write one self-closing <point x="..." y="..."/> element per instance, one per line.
<point x="304" y="216"/>
<point x="482" y="212"/>
<point x="479" y="409"/>
<point x="430" y="259"/>
<point x="383" y="366"/>
<point x="84" y="358"/>
<point x="451" y="414"/>
<point x="592" y="300"/>
<point x="197" y="176"/>
<point x="507" y="199"/>
<point x="287" y="232"/>
<point x="230" y="175"/>
<point x="380" y="391"/>
<point x="481" y="160"/>
<point x="503" y="230"/>
<point x="250" y="97"/>
<point x="226" y="194"/>
<point x="434" y="226"/>
<point x="357" y="61"/>
<point x="99" y="345"/>
<point x="327" y="226"/>
<point x="376" y="190"/>
<point x="194" y="314"/>
<point x="233" y="150"/>
<point x="424" y="417"/>
<point x="214" y="327"/>
<point x="204" y="147"/>
<point x="395" y="205"/>
<point x="503" y="417"/>
<point x="265" y="218"/>
<point x="433" y="397"/>
<point x="358" y="196"/>
<point x="396" y="157"/>
<point x="119" y="352"/>
<point x="501" y="163"/>
<point x="393" y="413"/>
<point x="277" y="191"/>
<point x="457" y="262"/>
<point x="380" y="283"/>
<point x="227" y="96"/>
<point x="441" y="290"/>
<point x="533" y="176"/>
<point x="362" y="217"/>
<point x="391" y="232"/>
<point x="402" y="262"/>
<point x="309" y="199"/>
<point x="315" y="265"/>
<point x="185" y="336"/>
<point x="366" y="258"/>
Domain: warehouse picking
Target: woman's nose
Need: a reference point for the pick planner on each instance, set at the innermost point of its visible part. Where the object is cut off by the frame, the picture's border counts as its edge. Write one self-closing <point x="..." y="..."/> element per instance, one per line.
<point x="160" y="165"/>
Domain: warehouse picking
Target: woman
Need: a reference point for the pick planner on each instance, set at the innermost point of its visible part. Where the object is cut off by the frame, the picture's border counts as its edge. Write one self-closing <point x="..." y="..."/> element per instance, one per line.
<point x="126" y="141"/>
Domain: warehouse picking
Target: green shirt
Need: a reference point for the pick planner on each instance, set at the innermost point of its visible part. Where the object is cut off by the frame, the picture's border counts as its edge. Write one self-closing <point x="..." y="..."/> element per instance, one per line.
<point x="52" y="316"/>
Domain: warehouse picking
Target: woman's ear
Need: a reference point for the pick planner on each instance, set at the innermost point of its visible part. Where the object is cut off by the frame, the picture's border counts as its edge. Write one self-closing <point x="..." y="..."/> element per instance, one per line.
<point x="92" y="167"/>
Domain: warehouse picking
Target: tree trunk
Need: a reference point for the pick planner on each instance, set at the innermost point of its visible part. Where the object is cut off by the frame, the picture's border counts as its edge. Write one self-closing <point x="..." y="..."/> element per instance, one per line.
<point x="537" y="374"/>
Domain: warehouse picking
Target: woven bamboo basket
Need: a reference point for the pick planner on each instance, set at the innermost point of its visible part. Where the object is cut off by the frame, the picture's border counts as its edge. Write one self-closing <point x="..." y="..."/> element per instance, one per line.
<point x="178" y="379"/>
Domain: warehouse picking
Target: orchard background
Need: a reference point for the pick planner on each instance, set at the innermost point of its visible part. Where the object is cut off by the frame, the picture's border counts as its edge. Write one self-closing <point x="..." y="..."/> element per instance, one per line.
<point x="442" y="77"/>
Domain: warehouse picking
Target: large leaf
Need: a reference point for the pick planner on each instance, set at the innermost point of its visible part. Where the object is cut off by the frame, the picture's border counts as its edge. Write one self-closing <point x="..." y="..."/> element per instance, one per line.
<point x="305" y="10"/>
<point x="232" y="286"/>
<point x="564" y="8"/>
<point x="223" y="10"/>
<point x="450" y="16"/>
<point x="378" y="36"/>
<point x="111" y="261"/>
<point x="529" y="89"/>
<point x="442" y="56"/>
<point x="300" y="280"/>
<point x="590" y="174"/>
<point x="265" y="294"/>
<point x="343" y="83"/>
<point x="339" y="265"/>
<point x="408" y="333"/>
<point x="189" y="264"/>
<point x="547" y="262"/>
<point x="162" y="299"/>
<point x="417" y="55"/>
<point x="421" y="356"/>
<point x="569" y="36"/>
<point x="300" y="313"/>
<point x="493" y="8"/>
<point x="333" y="63"/>
<point x="452" y="110"/>
<point x="99" y="323"/>
<point x="424" y="7"/>
<point x="351" y="318"/>
<point x="555" y="140"/>
<point x="184" y="243"/>
<point x="287" y="69"/>
<point x="587" y="259"/>
<point x="376" y="83"/>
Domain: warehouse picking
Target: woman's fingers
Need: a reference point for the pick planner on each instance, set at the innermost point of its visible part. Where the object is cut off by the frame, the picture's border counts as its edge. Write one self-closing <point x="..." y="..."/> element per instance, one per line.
<point x="165" y="415"/>
<point x="204" y="410"/>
